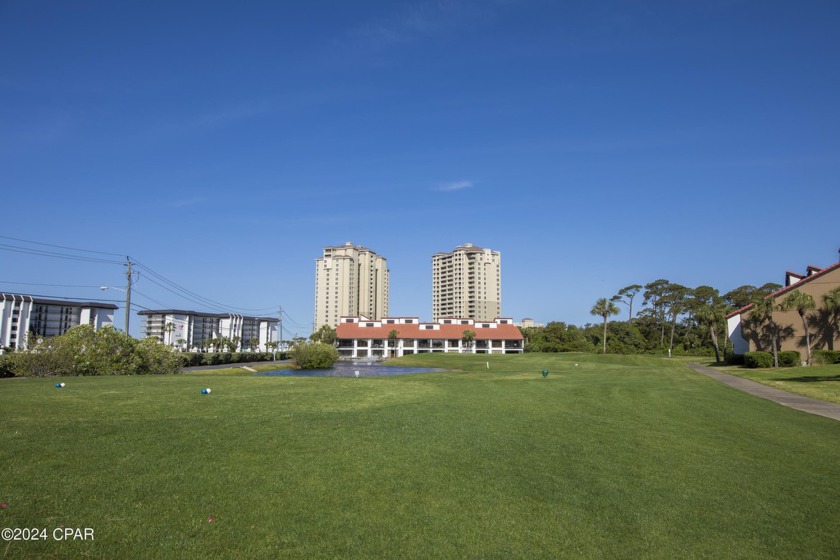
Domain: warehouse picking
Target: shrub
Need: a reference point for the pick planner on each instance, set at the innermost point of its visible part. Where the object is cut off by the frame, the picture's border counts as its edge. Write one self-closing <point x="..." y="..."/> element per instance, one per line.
<point x="154" y="357"/>
<point x="703" y="351"/>
<point x="6" y="365"/>
<point x="758" y="359"/>
<point x="735" y="359"/>
<point x="210" y="359"/>
<point x="825" y="357"/>
<point x="790" y="358"/>
<point x="84" y="351"/>
<point x="313" y="355"/>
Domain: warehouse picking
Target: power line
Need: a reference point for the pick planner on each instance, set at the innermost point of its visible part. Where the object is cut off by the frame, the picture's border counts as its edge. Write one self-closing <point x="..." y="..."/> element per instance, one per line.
<point x="183" y="296"/>
<point x="60" y="246"/>
<point x="51" y="285"/>
<point x="73" y="300"/>
<point x="141" y="294"/>
<point x="53" y="254"/>
<point x="295" y="323"/>
<point x="192" y="296"/>
<point x="164" y="282"/>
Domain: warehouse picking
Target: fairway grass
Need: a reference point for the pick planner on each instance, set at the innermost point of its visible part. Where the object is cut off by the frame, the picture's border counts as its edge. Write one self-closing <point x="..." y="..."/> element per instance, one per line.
<point x="606" y="457"/>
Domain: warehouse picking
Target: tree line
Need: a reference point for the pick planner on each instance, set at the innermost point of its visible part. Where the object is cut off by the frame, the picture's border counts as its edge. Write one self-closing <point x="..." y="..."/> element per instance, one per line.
<point x="662" y="317"/>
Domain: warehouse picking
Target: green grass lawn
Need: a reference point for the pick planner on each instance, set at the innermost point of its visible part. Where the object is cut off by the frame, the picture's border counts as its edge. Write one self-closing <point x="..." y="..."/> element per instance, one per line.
<point x="817" y="382"/>
<point x="617" y="457"/>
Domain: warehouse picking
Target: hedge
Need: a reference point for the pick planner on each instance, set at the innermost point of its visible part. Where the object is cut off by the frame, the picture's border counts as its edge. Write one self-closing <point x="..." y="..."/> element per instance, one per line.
<point x="6" y="366"/>
<point x="735" y="360"/>
<point x="790" y="358"/>
<point x="191" y="359"/>
<point x="825" y="357"/>
<point x="758" y="359"/>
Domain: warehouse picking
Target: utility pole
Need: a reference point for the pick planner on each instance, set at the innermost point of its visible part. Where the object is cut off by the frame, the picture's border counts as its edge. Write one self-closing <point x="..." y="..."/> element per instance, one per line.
<point x="280" y="314"/>
<point x="127" y="294"/>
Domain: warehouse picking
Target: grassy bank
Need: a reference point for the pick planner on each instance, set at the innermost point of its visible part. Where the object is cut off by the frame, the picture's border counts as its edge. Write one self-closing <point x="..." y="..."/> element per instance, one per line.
<point x="613" y="457"/>
<point x="817" y="382"/>
<point x="238" y="370"/>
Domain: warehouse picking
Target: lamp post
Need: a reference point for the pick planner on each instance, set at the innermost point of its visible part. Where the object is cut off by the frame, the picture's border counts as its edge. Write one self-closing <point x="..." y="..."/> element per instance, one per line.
<point x="127" y="302"/>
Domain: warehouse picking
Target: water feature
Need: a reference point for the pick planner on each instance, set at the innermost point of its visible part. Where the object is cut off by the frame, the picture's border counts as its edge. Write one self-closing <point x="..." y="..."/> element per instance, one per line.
<point x="365" y="368"/>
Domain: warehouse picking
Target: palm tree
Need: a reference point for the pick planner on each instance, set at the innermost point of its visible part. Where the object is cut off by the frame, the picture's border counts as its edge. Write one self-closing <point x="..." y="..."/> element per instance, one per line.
<point x="167" y="329"/>
<point x="605" y="308"/>
<point x="710" y="312"/>
<point x="802" y="303"/>
<point x="762" y="315"/>
<point x="832" y="304"/>
<point x="468" y="336"/>
<point x="393" y="335"/>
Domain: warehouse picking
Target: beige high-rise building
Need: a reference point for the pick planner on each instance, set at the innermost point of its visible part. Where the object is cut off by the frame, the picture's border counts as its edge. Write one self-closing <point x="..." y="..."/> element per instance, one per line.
<point x="350" y="281"/>
<point x="467" y="283"/>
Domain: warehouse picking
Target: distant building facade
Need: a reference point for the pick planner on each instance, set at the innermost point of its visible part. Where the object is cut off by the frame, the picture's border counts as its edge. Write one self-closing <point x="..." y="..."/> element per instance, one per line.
<point x="190" y="330"/>
<point x="747" y="335"/>
<point x="467" y="283"/>
<point x="350" y="280"/>
<point x="528" y="323"/>
<point x="361" y="337"/>
<point x="22" y="316"/>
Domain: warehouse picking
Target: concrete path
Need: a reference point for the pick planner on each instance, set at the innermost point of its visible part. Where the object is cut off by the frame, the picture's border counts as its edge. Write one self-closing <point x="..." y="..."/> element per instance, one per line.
<point x="805" y="404"/>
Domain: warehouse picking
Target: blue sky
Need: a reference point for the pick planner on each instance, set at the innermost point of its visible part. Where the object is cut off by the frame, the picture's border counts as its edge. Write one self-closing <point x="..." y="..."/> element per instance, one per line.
<point x="596" y="145"/>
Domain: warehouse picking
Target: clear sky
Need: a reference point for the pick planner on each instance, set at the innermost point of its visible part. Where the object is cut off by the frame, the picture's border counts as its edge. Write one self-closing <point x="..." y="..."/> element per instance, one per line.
<point x="594" y="144"/>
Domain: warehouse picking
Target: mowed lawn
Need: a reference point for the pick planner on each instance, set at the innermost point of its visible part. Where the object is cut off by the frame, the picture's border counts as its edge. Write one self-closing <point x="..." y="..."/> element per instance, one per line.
<point x="616" y="457"/>
<point x="816" y="382"/>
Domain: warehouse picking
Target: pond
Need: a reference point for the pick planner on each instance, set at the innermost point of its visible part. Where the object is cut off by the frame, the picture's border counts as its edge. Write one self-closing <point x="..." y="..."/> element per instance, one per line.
<point x="350" y="369"/>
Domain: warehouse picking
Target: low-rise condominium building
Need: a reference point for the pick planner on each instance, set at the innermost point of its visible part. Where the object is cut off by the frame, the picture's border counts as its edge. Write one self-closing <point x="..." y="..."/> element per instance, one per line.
<point x="360" y="337"/>
<point x="192" y="330"/>
<point x="24" y="316"/>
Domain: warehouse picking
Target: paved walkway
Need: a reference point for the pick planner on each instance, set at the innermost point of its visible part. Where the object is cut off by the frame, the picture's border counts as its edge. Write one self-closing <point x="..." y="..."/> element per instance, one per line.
<point x="805" y="404"/>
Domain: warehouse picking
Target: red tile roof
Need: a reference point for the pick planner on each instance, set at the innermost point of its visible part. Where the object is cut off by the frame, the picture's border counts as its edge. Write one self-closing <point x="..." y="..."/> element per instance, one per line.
<point x="500" y="332"/>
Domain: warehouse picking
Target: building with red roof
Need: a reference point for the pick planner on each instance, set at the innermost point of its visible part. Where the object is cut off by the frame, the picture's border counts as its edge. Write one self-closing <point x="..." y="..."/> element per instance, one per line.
<point x="360" y="337"/>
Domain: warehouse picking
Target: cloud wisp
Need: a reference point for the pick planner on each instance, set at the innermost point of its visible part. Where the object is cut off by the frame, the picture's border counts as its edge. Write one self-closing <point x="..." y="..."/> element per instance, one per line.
<point x="421" y="20"/>
<point x="454" y="186"/>
<point x="187" y="202"/>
